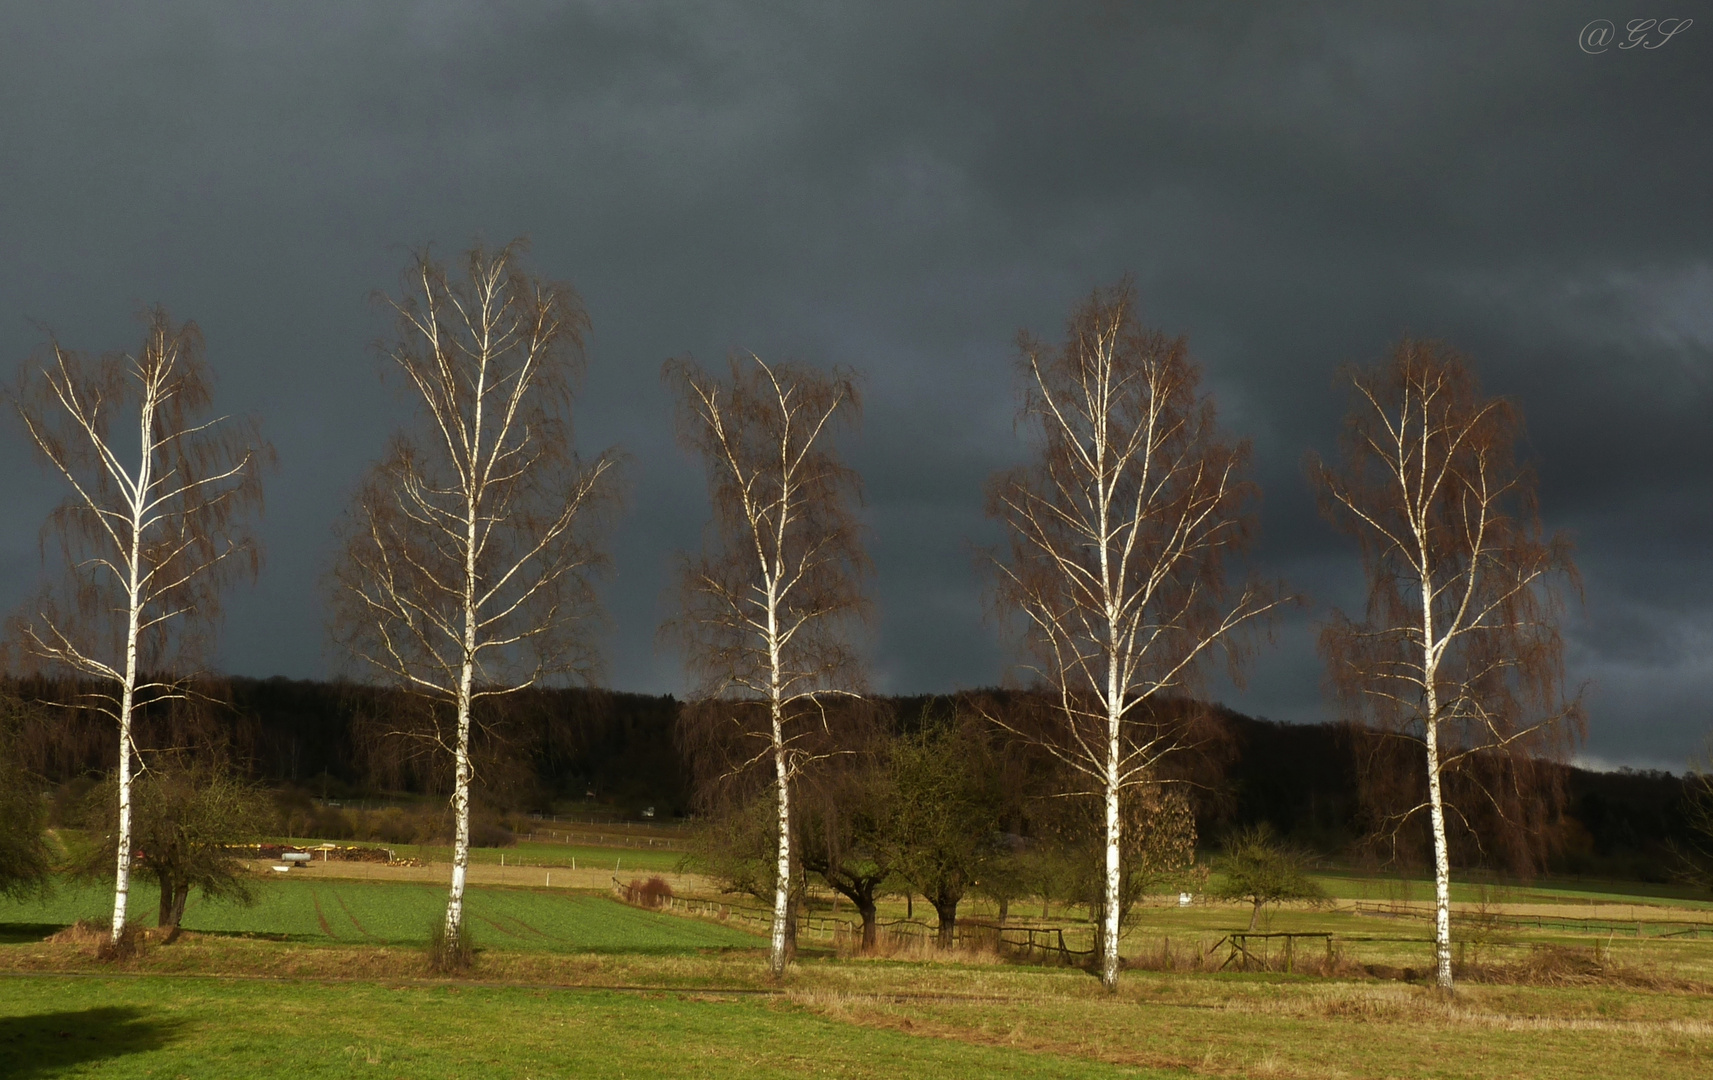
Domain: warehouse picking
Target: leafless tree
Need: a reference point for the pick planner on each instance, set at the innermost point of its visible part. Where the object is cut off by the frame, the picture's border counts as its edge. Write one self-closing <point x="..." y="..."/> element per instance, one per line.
<point x="767" y="607"/>
<point x="1458" y="654"/>
<point x="1119" y="537"/>
<point x="155" y="529"/>
<point x="469" y="549"/>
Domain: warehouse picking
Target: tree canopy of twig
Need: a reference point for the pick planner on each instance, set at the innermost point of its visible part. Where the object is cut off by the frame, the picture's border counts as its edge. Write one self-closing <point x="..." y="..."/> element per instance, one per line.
<point x="155" y="528"/>
<point x="1119" y="537"/>
<point x="1456" y="665"/>
<point x="767" y="607"/>
<point x="470" y="549"/>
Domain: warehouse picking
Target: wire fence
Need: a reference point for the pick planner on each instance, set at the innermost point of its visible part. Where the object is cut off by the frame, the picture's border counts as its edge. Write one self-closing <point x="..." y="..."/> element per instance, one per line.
<point x="612" y="840"/>
<point x="1692" y="929"/>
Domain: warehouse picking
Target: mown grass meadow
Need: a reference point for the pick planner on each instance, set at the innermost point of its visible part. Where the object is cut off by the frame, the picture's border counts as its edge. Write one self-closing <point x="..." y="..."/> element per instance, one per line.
<point x="325" y="976"/>
<point x="330" y="910"/>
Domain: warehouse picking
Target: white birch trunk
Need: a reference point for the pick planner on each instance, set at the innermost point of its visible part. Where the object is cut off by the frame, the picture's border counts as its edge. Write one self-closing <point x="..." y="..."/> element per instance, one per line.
<point x="1436" y="805"/>
<point x="466" y="672"/>
<point x="122" y="887"/>
<point x="1441" y="860"/>
<point x="461" y="822"/>
<point x="782" y="888"/>
<point x="127" y="699"/>
<point x="1109" y="930"/>
<point x="128" y="691"/>
<point x="1114" y="718"/>
<point x="782" y="780"/>
<point x="1113" y="779"/>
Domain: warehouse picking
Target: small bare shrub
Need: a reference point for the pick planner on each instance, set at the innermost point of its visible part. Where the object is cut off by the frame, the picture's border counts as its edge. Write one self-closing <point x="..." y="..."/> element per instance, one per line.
<point x="1563" y="965"/>
<point x="450" y="956"/>
<point x="653" y="893"/>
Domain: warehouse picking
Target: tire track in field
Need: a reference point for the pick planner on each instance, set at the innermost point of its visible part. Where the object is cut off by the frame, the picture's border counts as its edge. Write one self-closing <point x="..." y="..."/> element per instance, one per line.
<point x="315" y="899"/>
<point x="497" y="926"/>
<point x="501" y="918"/>
<point x="348" y="914"/>
<point x="533" y="930"/>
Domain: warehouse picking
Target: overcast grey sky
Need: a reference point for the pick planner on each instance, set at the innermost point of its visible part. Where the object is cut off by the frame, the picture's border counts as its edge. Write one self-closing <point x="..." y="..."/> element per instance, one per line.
<point x="901" y="188"/>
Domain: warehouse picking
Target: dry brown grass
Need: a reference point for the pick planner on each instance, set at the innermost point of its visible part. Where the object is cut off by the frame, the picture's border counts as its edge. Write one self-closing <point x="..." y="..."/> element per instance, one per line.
<point x="82" y="932"/>
<point x="921" y="950"/>
<point x="1567" y="965"/>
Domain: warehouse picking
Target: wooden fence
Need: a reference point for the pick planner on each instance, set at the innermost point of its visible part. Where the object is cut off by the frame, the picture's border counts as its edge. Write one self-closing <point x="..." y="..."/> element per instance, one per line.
<point x="1245" y="953"/>
<point x="1025" y="942"/>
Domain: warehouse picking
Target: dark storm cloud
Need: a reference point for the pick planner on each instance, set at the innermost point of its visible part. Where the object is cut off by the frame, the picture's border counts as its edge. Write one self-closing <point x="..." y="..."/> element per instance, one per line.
<point x="901" y="188"/>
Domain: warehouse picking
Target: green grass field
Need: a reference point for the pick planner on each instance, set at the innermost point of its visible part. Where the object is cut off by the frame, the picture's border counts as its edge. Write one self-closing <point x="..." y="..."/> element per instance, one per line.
<point x="384" y="913"/>
<point x="327" y="977"/>
<point x="364" y="1013"/>
<point x="173" y="1027"/>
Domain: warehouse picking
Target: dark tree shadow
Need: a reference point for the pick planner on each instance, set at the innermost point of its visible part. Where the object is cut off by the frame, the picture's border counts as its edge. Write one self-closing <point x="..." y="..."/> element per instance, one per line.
<point x="24" y="933"/>
<point x="43" y="1044"/>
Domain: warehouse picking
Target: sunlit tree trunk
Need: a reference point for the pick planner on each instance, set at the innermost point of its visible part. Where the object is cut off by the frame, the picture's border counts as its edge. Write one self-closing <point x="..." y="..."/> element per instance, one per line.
<point x="128" y="687"/>
<point x="1114" y="849"/>
<point x="782" y="915"/>
<point x="466" y="676"/>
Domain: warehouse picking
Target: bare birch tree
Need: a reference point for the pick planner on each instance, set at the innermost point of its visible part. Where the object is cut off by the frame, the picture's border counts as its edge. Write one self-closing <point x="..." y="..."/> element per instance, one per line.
<point x="468" y="552"/>
<point x="768" y="604"/>
<point x="155" y="529"/>
<point x="1459" y="653"/>
<point x="1119" y="537"/>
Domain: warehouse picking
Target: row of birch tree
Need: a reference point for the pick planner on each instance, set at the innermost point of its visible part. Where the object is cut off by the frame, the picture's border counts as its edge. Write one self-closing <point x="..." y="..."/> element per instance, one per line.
<point x="469" y="553"/>
<point x="1117" y="580"/>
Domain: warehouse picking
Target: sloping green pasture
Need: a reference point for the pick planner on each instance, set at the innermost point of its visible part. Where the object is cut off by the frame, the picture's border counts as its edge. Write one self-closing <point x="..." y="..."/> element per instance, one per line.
<point x="167" y="1027"/>
<point x="392" y="913"/>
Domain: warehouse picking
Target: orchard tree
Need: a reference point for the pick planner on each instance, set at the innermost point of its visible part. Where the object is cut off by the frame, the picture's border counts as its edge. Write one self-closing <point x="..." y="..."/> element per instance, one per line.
<point x="1158" y="833"/>
<point x="469" y="551"/>
<point x="768" y="604"/>
<point x="1257" y="867"/>
<point x="1119" y="535"/>
<point x="25" y="859"/>
<point x="844" y="809"/>
<point x="191" y="820"/>
<point x="941" y="831"/>
<point x="1458" y="654"/>
<point x="155" y="529"/>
